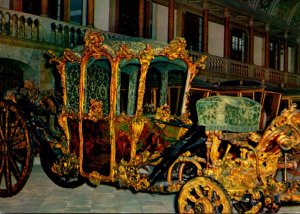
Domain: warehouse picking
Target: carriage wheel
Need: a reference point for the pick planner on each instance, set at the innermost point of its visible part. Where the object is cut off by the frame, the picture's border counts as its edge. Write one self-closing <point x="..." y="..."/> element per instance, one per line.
<point x="16" y="151"/>
<point x="203" y="195"/>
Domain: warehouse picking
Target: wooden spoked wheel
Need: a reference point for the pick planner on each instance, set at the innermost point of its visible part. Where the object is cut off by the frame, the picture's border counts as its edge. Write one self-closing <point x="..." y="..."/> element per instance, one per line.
<point x="203" y="195"/>
<point x="16" y="151"/>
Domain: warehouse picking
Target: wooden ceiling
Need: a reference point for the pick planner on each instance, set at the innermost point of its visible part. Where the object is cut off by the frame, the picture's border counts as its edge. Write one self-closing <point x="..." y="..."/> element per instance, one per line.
<point x="282" y="16"/>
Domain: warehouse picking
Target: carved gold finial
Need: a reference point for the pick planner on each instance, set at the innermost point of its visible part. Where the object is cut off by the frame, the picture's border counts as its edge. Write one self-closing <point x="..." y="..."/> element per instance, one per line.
<point x="201" y="62"/>
<point x="176" y="48"/>
<point x="146" y="55"/>
<point x="93" y="41"/>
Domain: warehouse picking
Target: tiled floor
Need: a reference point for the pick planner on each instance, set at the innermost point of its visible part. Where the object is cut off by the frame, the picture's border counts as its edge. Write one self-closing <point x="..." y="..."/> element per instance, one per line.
<point x="41" y="195"/>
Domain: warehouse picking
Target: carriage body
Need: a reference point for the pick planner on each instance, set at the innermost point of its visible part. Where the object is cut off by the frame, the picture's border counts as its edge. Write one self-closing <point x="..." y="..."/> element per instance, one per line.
<point x="124" y="103"/>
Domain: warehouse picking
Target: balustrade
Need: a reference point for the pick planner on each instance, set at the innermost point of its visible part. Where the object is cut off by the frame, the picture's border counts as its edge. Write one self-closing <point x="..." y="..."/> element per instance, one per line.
<point x="259" y="73"/>
<point x="39" y="29"/>
<point x="238" y="69"/>
<point x="230" y="69"/>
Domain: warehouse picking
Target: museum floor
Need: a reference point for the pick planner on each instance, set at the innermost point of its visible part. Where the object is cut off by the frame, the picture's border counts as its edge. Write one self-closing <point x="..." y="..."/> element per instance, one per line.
<point x="41" y="195"/>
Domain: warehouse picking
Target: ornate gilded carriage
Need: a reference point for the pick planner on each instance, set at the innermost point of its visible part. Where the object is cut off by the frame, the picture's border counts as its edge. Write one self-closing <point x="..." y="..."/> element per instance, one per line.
<point x="123" y="119"/>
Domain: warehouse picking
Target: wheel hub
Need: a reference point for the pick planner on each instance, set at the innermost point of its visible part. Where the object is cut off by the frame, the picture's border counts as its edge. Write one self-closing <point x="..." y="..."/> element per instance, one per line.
<point x="198" y="208"/>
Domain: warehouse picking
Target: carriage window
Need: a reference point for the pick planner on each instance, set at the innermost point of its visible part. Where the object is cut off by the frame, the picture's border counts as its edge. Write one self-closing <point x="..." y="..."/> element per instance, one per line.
<point x="248" y="94"/>
<point x="72" y="83"/>
<point x="271" y="105"/>
<point x="283" y="104"/>
<point x="124" y="92"/>
<point x="176" y="82"/>
<point x="258" y="96"/>
<point x="175" y="96"/>
<point x="152" y="91"/>
<point x="98" y="84"/>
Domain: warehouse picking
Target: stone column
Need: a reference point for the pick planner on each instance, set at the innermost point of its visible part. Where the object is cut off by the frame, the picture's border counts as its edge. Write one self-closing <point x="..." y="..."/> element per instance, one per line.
<point x="251" y="41"/>
<point x="141" y="17"/>
<point x="66" y="11"/>
<point x="171" y="21"/>
<point x="90" y="13"/>
<point x="226" y="32"/>
<point x="267" y="45"/>
<point x="286" y="54"/>
<point x="44" y="8"/>
<point x="205" y="27"/>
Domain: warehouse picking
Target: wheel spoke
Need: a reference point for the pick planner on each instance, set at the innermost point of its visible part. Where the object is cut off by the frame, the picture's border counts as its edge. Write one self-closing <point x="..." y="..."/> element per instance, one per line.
<point x="199" y="192"/>
<point x="6" y="126"/>
<point x="1" y="127"/>
<point x="19" y="145"/>
<point x="14" y="128"/>
<point x="19" y="157"/>
<point x="15" y="168"/>
<point x="2" y="160"/>
<point x="192" y="198"/>
<point x="8" y="176"/>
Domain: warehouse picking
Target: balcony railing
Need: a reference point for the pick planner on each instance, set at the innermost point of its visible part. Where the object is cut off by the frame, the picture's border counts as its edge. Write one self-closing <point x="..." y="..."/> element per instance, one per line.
<point x="41" y="30"/>
<point x="221" y="68"/>
<point x="37" y="29"/>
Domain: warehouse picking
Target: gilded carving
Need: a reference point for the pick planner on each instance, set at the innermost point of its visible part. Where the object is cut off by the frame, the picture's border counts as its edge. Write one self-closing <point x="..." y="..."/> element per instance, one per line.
<point x="176" y="49"/>
<point x="93" y="42"/>
<point x="95" y="111"/>
<point x="163" y="113"/>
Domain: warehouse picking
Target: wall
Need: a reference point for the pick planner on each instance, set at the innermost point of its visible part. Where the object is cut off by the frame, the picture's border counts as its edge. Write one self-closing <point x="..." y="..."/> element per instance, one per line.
<point x="259" y="52"/>
<point x="4" y="4"/>
<point x="101" y="14"/>
<point x="33" y="64"/>
<point x="215" y="39"/>
<point x="160" y="23"/>
<point x="291" y="59"/>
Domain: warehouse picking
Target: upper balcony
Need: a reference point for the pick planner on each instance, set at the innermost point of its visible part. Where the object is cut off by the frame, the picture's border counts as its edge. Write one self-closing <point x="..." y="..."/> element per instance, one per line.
<point x="22" y="29"/>
<point x="218" y="69"/>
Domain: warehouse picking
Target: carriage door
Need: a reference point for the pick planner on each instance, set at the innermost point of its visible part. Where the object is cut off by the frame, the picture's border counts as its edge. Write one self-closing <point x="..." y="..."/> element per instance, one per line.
<point x="95" y="127"/>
